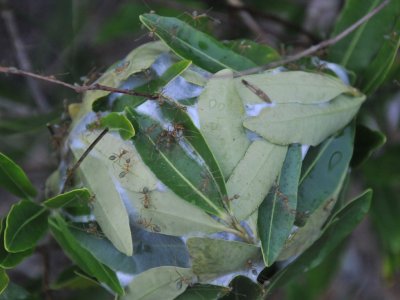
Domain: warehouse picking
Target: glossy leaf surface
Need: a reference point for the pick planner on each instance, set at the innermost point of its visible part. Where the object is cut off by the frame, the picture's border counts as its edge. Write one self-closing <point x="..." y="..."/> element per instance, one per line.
<point x="26" y="223"/>
<point x="205" y="51"/>
<point x="14" y="179"/>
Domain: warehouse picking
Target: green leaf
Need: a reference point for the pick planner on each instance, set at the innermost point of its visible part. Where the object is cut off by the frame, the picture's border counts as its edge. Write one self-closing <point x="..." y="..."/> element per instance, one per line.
<point x="305" y="124"/>
<point x="205" y="51"/>
<point x="342" y="224"/>
<point x="103" y="250"/>
<point x="83" y="258"/>
<point x="366" y="142"/>
<point x="26" y="224"/>
<point x="154" y="86"/>
<point x="115" y="121"/>
<point x="202" y="292"/>
<point x="254" y="176"/>
<point x="7" y="259"/>
<point x="357" y="50"/>
<point x="14" y="180"/>
<point x="221" y="115"/>
<point x="14" y="292"/>
<point x="181" y="168"/>
<point x="26" y="124"/>
<point x="111" y="215"/>
<point x="292" y="87"/>
<point x="68" y="279"/>
<point x="138" y="60"/>
<point x="4" y="280"/>
<point x="325" y="169"/>
<point x="258" y="53"/>
<point x="165" y="283"/>
<point x="214" y="257"/>
<point x="243" y="288"/>
<point x="277" y="212"/>
<point x="379" y="68"/>
<point x="78" y="195"/>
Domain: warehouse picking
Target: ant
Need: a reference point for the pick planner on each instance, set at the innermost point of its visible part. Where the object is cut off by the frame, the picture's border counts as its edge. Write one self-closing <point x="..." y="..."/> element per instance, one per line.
<point x="148" y="225"/>
<point x="126" y="168"/>
<point x="205" y="182"/>
<point x="121" y="67"/>
<point x="117" y="157"/>
<point x="146" y="200"/>
<point x="196" y="17"/>
<point x="183" y="280"/>
<point x="251" y="267"/>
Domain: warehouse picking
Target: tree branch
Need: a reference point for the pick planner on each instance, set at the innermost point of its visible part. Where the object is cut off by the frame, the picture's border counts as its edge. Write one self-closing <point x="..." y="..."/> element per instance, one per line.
<point x="317" y="47"/>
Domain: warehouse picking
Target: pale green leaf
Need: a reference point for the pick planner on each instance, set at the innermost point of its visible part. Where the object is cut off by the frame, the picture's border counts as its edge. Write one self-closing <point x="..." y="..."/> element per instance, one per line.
<point x="77" y="195"/>
<point x="214" y="257"/>
<point x="292" y="87"/>
<point x="221" y="116"/>
<point x="253" y="177"/>
<point x="165" y="283"/>
<point x="305" y="124"/>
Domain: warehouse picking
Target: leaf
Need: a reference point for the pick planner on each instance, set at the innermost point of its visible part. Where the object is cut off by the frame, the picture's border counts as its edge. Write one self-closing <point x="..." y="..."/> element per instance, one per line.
<point x="138" y="60"/>
<point x="221" y="116"/>
<point x="205" y="51"/>
<point x="4" y="280"/>
<point x="292" y="87"/>
<point x="159" y="283"/>
<point x="115" y="121"/>
<point x="305" y="124"/>
<point x="214" y="257"/>
<point x="253" y="177"/>
<point x="25" y="124"/>
<point x="14" y="180"/>
<point x="103" y="250"/>
<point x="357" y="50"/>
<point x="154" y="86"/>
<point x="277" y="212"/>
<point x="202" y="292"/>
<point x="258" y="53"/>
<point x="243" y="288"/>
<point x="25" y="225"/>
<point x="379" y="68"/>
<point x="77" y="195"/>
<point x="68" y="279"/>
<point x="367" y="141"/>
<point x="14" y="292"/>
<point x="8" y="259"/>
<point x="325" y="169"/>
<point x="342" y="225"/>
<point x="108" y="206"/>
<point x="83" y="258"/>
<point x="178" y="165"/>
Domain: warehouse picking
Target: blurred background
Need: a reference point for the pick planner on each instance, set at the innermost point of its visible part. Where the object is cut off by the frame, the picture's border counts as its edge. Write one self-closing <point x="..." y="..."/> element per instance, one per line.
<point x="76" y="40"/>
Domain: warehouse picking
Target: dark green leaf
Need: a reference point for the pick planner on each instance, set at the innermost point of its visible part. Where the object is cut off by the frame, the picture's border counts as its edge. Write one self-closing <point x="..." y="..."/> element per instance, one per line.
<point x="152" y="87"/>
<point x="115" y="121"/>
<point x="7" y="259"/>
<point x="4" y="280"/>
<point x="13" y="178"/>
<point x="181" y="168"/>
<point x="78" y="195"/>
<point x="366" y="142"/>
<point x="243" y="288"/>
<point x="323" y="171"/>
<point x="277" y="212"/>
<point x="203" y="292"/>
<point x="15" y="292"/>
<point x="205" y="51"/>
<point x="26" y="224"/>
<point x="25" y="124"/>
<point x="69" y="279"/>
<point x="357" y="50"/>
<point x="83" y="258"/>
<point x="342" y="224"/>
<point x="379" y="68"/>
<point x="259" y="54"/>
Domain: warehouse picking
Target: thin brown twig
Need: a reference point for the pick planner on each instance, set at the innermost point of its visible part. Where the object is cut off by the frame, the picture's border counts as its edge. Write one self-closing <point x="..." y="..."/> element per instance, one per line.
<point x="76" y="88"/>
<point x="71" y="171"/>
<point x="317" y="47"/>
<point x="23" y="59"/>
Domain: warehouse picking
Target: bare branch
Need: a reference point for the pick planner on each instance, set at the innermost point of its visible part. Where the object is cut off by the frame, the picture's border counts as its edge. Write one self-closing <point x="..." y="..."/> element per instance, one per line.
<point x="317" y="47"/>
